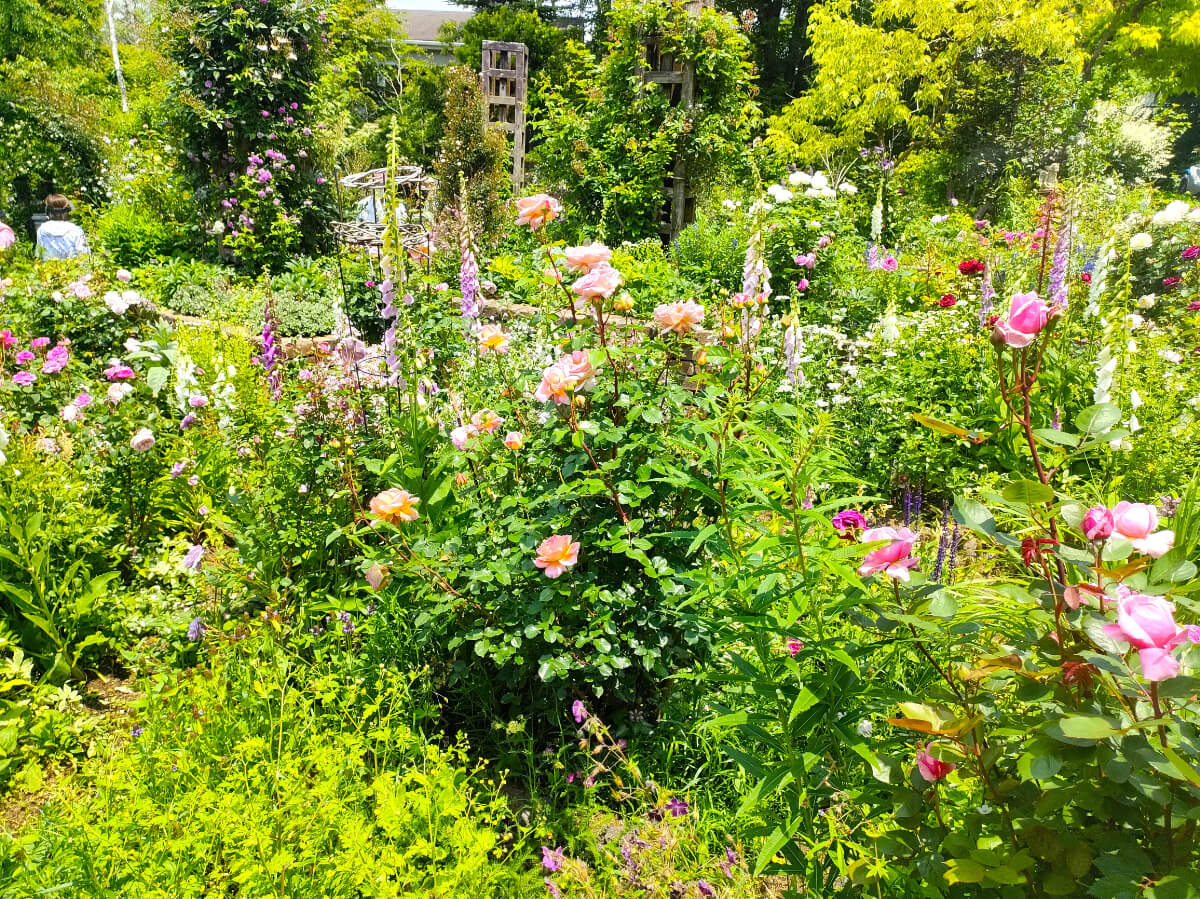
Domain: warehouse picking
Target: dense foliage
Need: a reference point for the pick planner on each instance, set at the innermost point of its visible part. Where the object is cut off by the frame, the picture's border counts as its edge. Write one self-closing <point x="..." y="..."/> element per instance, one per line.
<point x="843" y="545"/>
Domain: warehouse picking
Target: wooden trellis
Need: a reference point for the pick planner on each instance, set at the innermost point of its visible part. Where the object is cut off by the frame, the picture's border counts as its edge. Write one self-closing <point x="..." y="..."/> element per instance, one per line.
<point x="505" y="76"/>
<point x="677" y="79"/>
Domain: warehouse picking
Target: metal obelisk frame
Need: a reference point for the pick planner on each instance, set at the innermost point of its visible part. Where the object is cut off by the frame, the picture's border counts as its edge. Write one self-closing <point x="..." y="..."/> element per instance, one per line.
<point x="505" y="75"/>
<point x="677" y="78"/>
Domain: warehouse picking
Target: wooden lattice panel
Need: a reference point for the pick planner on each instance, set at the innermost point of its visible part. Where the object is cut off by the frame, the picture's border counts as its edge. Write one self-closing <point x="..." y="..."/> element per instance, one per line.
<point x="504" y="73"/>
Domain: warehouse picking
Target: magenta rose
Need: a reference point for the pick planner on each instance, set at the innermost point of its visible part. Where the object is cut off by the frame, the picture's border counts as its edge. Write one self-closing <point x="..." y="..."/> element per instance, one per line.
<point x="1136" y="523"/>
<point x="1027" y="316"/>
<point x="1098" y="523"/>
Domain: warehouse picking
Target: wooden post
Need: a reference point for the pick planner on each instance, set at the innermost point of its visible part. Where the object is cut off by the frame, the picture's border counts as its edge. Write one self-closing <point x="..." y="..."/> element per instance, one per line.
<point x="504" y="72"/>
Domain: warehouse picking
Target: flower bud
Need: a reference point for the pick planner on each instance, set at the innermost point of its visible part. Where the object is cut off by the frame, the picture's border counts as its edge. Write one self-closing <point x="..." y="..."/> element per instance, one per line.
<point x="1098" y="523"/>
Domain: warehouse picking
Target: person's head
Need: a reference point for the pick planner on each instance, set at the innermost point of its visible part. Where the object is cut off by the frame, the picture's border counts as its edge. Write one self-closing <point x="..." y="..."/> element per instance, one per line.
<point x="58" y="207"/>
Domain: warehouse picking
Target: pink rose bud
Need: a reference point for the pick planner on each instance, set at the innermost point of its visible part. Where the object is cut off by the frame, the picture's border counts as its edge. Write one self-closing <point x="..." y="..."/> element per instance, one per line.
<point x="1098" y="523"/>
<point x="932" y="769"/>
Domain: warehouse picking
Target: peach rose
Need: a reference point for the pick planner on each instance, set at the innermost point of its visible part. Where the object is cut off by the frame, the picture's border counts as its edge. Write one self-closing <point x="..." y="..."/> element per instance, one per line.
<point x="492" y="339"/>
<point x="583" y="259"/>
<point x="556" y="554"/>
<point x="535" y="211"/>
<point x="486" y="421"/>
<point x="394" y="506"/>
<point x="556" y="385"/>
<point x="682" y="318"/>
<point x="514" y="440"/>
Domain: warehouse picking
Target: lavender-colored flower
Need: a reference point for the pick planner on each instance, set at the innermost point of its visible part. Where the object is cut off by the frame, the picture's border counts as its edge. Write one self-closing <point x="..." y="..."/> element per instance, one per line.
<point x="270" y="353"/>
<point x="187" y="421"/>
<point x="988" y="296"/>
<point x="196" y="629"/>
<point x="729" y="861"/>
<point x="136" y="731"/>
<point x="677" y="807"/>
<point x="1057" y="282"/>
<point x="579" y="711"/>
<point x="468" y="275"/>
<point x="705" y="888"/>
<point x="552" y="859"/>
<point x="552" y="888"/>
<point x="194" y="557"/>
<point x="954" y="535"/>
<point x="943" y="543"/>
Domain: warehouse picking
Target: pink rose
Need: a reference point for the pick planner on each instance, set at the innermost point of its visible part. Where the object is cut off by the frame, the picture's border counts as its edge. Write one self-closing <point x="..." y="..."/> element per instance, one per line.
<point x="556" y="554"/>
<point x="598" y="283"/>
<point x="25" y="356"/>
<point x="890" y="263"/>
<point x="535" y="211"/>
<point x="492" y="339"/>
<point x="932" y="769"/>
<point x="823" y="241"/>
<point x="461" y="435"/>
<point x="118" y="372"/>
<point x="142" y="441"/>
<point x="1098" y="523"/>
<point x="1027" y="316"/>
<point x="806" y="260"/>
<point x="583" y="259"/>
<point x="894" y="559"/>
<point x="1148" y="623"/>
<point x="556" y="385"/>
<point x="24" y="378"/>
<point x="514" y="440"/>
<point x="8" y="237"/>
<point x="1136" y="523"/>
<point x="39" y="343"/>
<point x="848" y="520"/>
<point x="124" y="275"/>
<point x="579" y="366"/>
<point x="682" y="318"/>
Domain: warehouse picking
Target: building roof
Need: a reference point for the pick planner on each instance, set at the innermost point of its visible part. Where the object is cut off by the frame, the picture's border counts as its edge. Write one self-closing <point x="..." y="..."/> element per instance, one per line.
<point x="424" y="24"/>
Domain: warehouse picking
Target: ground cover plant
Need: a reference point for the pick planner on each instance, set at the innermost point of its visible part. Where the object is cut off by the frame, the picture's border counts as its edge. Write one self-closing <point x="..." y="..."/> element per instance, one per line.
<point x="843" y="543"/>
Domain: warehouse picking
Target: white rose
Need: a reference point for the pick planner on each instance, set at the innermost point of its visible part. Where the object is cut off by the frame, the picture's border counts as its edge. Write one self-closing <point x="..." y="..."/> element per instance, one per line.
<point x="1172" y="213"/>
<point x="797" y="178"/>
<point x="779" y="193"/>
<point x="70" y="412"/>
<point x="142" y="441"/>
<point x="847" y="188"/>
<point x="819" y="181"/>
<point x="116" y="303"/>
<point x="1141" y="241"/>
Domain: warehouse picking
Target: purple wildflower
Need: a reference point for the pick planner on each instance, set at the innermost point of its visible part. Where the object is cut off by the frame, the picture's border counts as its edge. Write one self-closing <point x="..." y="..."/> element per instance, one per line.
<point x="579" y="711"/>
<point x="468" y="276"/>
<point x="196" y="629"/>
<point x="1057" y="284"/>
<point x="729" y="861"/>
<point x="677" y="807"/>
<point x="552" y="888"/>
<point x="552" y="859"/>
<point x="705" y="888"/>
<point x="270" y="353"/>
<point x="194" y="557"/>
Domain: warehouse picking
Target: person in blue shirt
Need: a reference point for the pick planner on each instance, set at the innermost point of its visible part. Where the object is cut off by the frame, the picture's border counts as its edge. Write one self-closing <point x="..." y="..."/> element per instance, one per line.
<point x="59" y="237"/>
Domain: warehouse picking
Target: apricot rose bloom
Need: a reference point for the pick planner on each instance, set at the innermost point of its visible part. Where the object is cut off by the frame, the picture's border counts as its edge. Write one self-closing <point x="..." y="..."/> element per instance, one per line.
<point x="514" y="440"/>
<point x="894" y="559"/>
<point x="682" y="318"/>
<point x="394" y="506"/>
<point x="486" y="421"/>
<point x="492" y="339"/>
<point x="556" y="554"/>
<point x="572" y="372"/>
<point x="599" y="283"/>
<point x="584" y="258"/>
<point x="536" y="210"/>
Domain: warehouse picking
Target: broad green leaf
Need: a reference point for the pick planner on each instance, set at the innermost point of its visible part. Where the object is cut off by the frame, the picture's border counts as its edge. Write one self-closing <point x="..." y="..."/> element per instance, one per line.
<point x="964" y="870"/>
<point x="1028" y="493"/>
<point x="1059" y="438"/>
<point x="943" y="427"/>
<point x="1087" y="727"/>
<point x="1097" y="419"/>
